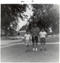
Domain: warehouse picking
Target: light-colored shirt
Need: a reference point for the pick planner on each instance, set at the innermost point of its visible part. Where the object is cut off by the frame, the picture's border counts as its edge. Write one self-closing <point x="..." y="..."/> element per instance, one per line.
<point x="27" y="36"/>
<point x="42" y="34"/>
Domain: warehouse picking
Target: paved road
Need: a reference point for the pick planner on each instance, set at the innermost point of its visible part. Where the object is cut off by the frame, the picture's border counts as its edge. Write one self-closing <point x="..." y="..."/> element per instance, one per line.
<point x="16" y="53"/>
<point x="7" y="41"/>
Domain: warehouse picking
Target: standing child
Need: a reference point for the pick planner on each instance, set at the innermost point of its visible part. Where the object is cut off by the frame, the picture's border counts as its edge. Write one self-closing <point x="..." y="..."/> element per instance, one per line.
<point x="34" y="33"/>
<point x="27" y="40"/>
<point x="43" y="35"/>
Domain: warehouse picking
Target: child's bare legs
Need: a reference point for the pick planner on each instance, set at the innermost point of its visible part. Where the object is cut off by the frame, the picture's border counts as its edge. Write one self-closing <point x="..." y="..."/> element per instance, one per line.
<point x="41" y="46"/>
<point x="44" y="46"/>
<point x="27" y="48"/>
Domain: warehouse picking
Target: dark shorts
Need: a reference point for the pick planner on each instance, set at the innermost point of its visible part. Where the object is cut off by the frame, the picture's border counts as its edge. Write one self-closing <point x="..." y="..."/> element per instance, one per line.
<point x="50" y="33"/>
<point x="42" y="40"/>
<point x="35" y="39"/>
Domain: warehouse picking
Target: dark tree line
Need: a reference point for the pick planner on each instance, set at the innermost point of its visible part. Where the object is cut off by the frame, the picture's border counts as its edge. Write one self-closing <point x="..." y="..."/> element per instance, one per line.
<point x="45" y="15"/>
<point x="9" y="13"/>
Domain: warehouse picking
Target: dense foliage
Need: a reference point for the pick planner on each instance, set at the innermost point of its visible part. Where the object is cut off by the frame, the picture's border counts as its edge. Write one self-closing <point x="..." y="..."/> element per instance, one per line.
<point x="9" y="13"/>
<point x="45" y="15"/>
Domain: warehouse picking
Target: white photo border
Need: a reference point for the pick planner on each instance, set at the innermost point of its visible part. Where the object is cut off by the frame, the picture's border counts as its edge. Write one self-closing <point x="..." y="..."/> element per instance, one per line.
<point x="30" y="2"/>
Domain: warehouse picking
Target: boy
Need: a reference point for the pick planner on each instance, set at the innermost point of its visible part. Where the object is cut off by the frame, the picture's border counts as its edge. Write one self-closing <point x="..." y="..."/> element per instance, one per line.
<point x="43" y="35"/>
<point x="34" y="32"/>
<point x="27" y="40"/>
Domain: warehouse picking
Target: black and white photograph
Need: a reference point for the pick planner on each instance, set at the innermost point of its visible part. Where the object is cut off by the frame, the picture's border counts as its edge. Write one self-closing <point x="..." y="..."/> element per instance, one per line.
<point x="29" y="32"/>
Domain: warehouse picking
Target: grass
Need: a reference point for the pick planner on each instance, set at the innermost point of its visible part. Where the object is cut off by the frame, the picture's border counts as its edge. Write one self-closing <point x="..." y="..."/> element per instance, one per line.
<point x="16" y="53"/>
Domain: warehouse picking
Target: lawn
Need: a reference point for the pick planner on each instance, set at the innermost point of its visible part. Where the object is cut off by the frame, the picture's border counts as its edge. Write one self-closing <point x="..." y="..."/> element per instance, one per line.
<point x="16" y="52"/>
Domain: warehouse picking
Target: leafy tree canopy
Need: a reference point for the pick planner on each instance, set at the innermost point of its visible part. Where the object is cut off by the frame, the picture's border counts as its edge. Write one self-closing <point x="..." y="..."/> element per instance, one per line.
<point x="45" y="15"/>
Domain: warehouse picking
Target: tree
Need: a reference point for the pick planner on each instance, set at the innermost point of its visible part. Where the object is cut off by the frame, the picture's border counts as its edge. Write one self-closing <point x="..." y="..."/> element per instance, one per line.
<point x="46" y="15"/>
<point x="9" y="13"/>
